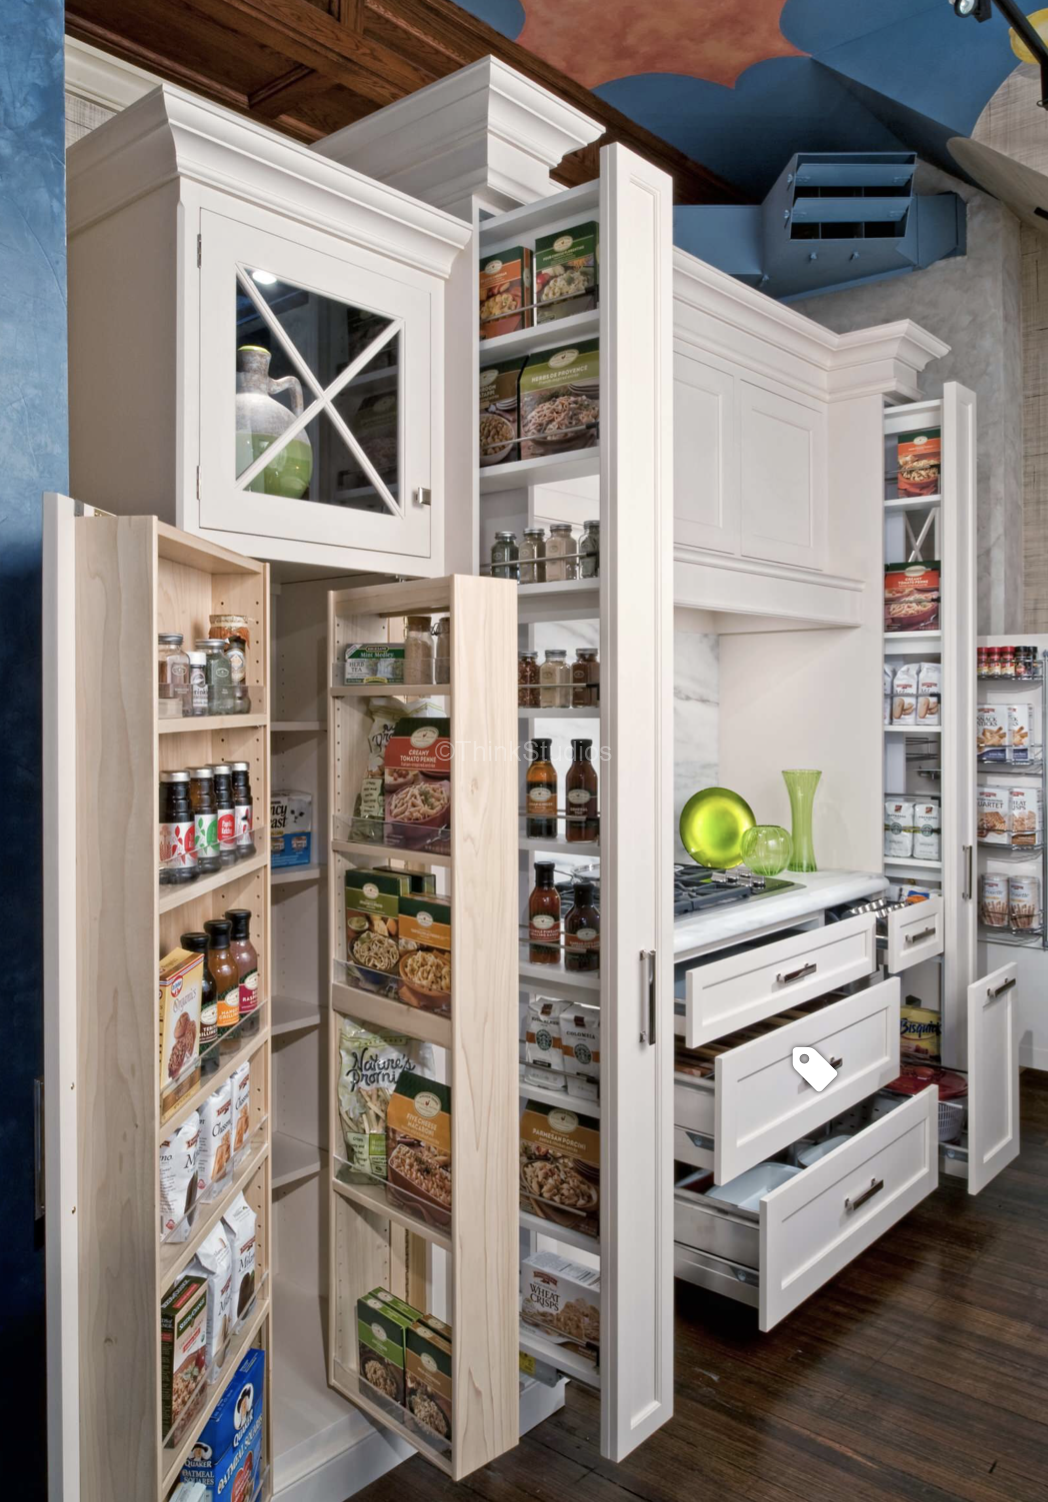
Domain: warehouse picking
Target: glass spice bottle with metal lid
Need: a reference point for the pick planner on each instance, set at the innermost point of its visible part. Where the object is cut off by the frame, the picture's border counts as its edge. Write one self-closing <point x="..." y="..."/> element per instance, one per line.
<point x="561" y="554"/>
<point x="172" y="676"/>
<point x="178" y="862"/>
<point x="243" y="809"/>
<point x="504" y="556"/>
<point x="533" y="556"/>
<point x="585" y="678"/>
<point x="589" y="551"/>
<point x="205" y="814"/>
<point x="219" y="674"/>
<point x="528" y="680"/>
<point x="418" y="649"/>
<point x="555" y="680"/>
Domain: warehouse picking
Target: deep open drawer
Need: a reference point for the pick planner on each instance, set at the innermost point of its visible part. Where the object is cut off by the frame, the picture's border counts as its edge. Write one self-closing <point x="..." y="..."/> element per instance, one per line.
<point x="716" y="996"/>
<point x="811" y="1227"/>
<point x="915" y="933"/>
<point x="755" y="1103"/>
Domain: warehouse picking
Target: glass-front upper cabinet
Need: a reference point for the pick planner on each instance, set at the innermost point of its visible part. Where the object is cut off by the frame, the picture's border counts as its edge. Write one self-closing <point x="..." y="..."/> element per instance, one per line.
<point x="256" y="340"/>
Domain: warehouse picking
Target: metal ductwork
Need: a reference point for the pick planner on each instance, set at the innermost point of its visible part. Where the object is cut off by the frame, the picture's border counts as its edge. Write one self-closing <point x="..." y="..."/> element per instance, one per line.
<point x="832" y="220"/>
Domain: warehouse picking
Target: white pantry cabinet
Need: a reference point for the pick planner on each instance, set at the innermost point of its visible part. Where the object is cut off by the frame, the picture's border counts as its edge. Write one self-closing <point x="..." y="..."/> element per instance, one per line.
<point x="256" y="341"/>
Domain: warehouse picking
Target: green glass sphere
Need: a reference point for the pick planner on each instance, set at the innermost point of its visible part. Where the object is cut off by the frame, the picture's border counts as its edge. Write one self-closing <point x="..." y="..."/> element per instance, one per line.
<point x="712" y="824"/>
<point x="766" y="849"/>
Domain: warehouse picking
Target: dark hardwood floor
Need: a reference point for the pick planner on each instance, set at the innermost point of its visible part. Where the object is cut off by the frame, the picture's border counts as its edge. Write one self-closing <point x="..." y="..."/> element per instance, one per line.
<point x="920" y="1372"/>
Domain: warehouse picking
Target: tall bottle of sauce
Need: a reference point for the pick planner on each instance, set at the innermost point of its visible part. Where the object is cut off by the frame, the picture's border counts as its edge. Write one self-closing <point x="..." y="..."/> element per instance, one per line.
<point x="544" y="917"/>
<point x="202" y="799"/>
<point x="226" y="977"/>
<point x="225" y="812"/>
<point x="243" y="809"/>
<point x="541" y="793"/>
<point x="178" y="862"/>
<point x="197" y="943"/>
<point x="582" y="931"/>
<point x="245" y="958"/>
<point x="581" y="821"/>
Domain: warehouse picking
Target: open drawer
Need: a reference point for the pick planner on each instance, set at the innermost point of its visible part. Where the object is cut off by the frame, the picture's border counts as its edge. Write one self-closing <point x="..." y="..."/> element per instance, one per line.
<point x="803" y="1232"/>
<point x="915" y="933"/>
<point x="714" y="997"/>
<point x="754" y="1103"/>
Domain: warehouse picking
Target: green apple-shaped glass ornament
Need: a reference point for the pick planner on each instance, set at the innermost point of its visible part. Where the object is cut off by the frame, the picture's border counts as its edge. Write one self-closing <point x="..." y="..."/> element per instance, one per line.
<point x="712" y="824"/>
<point x="766" y="849"/>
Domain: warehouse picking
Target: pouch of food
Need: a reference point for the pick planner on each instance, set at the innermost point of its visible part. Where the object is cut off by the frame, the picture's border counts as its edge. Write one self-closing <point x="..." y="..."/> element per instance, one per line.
<point x="425" y="953"/>
<point x="907" y="679"/>
<point x="927" y="839"/>
<point x="929" y="709"/>
<point x="930" y="678"/>
<point x="179" y="1156"/>
<point x="898" y="828"/>
<point x="371" y="1064"/>
<point x="904" y="710"/>
<point x="920" y="457"/>
<point x="239" y="1223"/>
<point x="216" y="1141"/>
<point x="240" y="1080"/>
<point x="580" y="1045"/>
<point x="214" y="1261"/>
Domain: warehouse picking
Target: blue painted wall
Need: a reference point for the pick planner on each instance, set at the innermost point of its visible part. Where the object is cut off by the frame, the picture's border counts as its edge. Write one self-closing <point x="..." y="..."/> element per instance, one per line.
<point x="33" y="458"/>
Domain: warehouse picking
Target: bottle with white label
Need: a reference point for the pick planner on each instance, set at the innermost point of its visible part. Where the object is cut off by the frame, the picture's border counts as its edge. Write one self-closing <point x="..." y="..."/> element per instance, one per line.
<point x="245" y="956"/>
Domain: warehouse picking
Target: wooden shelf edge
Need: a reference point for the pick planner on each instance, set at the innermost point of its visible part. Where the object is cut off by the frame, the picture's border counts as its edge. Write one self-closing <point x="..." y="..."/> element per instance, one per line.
<point x="207" y="1087"/>
<point x="233" y="1358"/>
<point x="298" y="727"/>
<point x="349" y="1385"/>
<point x="372" y="1197"/>
<point x="390" y="690"/>
<point x="309" y="1014"/>
<point x="389" y="852"/>
<point x="194" y="725"/>
<point x="178" y="896"/>
<point x="196" y="552"/>
<point x="203" y="1227"/>
<point x="293" y="1160"/>
<point x="397" y="1016"/>
<point x="289" y="876"/>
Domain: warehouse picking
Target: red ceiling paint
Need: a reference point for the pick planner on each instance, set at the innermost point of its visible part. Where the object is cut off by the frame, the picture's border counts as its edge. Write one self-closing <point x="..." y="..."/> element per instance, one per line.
<point x="594" y="43"/>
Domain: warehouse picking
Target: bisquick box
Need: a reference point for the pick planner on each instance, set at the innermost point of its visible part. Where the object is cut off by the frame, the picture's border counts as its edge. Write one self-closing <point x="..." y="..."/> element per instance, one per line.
<point x="290" y="829"/>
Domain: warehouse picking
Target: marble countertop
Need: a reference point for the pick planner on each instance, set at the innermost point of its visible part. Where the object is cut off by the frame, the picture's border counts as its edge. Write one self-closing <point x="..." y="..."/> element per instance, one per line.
<point x="815" y="891"/>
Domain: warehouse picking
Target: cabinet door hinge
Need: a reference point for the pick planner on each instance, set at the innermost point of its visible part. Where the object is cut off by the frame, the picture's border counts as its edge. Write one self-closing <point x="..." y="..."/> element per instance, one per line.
<point x="200" y="249"/>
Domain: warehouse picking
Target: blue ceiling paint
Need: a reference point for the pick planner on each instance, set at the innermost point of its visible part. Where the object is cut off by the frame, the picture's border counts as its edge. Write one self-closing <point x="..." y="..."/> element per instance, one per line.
<point x="505" y="16"/>
<point x="748" y="133"/>
<point x="817" y="25"/>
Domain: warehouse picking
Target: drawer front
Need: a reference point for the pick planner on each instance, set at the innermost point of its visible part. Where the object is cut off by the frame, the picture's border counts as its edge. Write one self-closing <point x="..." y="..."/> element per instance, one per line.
<point x="691" y="1147"/>
<point x="741" y="989"/>
<point x="914" y="934"/>
<point x="815" y="1224"/>
<point x="762" y="1104"/>
<point x="693" y="1106"/>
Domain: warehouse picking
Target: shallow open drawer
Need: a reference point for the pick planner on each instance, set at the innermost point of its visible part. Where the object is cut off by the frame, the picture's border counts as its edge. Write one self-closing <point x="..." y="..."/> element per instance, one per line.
<point x="810" y="1227"/>
<point x="714" y="997"/>
<point x="755" y="1103"/>
<point x="915" y="933"/>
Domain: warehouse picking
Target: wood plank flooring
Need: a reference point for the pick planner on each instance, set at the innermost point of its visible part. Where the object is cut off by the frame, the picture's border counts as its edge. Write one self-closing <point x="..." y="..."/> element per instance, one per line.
<point x="920" y="1372"/>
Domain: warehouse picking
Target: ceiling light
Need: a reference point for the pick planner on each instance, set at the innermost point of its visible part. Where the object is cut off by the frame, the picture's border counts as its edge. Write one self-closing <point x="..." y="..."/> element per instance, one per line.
<point x="266" y="278"/>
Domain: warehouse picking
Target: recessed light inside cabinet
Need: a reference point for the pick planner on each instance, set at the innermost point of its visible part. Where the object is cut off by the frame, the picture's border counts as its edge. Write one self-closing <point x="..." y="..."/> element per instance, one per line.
<point x="264" y="278"/>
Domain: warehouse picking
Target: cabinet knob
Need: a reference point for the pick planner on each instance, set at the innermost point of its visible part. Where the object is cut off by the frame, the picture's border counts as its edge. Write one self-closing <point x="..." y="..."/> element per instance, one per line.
<point x="423" y="497"/>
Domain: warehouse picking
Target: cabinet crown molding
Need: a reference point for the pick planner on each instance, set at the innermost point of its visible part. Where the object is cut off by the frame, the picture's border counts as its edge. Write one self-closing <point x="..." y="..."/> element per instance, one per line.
<point x="485" y="129"/>
<point x="173" y="135"/>
<point x="776" y="340"/>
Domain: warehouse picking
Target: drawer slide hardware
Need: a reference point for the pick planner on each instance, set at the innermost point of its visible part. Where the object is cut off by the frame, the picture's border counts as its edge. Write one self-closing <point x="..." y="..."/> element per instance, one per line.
<point x="994" y="991"/>
<point x="925" y="933"/>
<point x="876" y="1185"/>
<point x="792" y="975"/>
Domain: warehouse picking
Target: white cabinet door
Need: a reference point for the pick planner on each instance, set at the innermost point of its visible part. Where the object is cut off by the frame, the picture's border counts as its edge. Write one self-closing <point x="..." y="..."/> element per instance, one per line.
<point x="782" y="484"/>
<point x="993" y="1076"/>
<point x="330" y="427"/>
<point x="705" y="455"/>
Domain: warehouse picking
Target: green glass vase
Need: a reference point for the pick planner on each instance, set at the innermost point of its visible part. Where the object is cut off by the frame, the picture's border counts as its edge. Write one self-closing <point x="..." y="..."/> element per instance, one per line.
<point x="801" y="786"/>
<point x="766" y="849"/>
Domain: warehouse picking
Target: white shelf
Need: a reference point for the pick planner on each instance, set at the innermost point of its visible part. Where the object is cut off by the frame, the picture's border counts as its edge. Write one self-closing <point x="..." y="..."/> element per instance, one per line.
<point x="293" y="1160"/>
<point x="376" y="852"/>
<point x="892" y="864"/>
<point x="547" y="469"/>
<point x="560" y="846"/>
<point x="521" y="226"/>
<point x="899" y="639"/>
<point x="563" y="1234"/>
<point x="562" y="600"/>
<point x="541" y="336"/>
<point x="553" y="980"/>
<point x="912" y="730"/>
<point x="298" y="727"/>
<point x="550" y="1353"/>
<point x="912" y="503"/>
<point x="560" y="1098"/>
<point x="288" y="876"/>
<point x="582" y="712"/>
<point x="289" y="1014"/>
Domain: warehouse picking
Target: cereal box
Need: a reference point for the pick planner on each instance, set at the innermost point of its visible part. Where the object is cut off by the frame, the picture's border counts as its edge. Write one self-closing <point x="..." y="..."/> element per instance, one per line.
<point x="183" y="1349"/>
<point x="911" y="597"/>
<point x="562" y="1299"/>
<point x="381" y="1331"/>
<point x="427" y="1368"/>
<point x="566" y="272"/>
<point x="560" y="400"/>
<point x="417" y="783"/>
<point x="505" y="292"/>
<point x="500" y="412"/>
<point x="290" y="829"/>
<point x="181" y="988"/>
<point x="560" y="1166"/>
<point x="228" y="1456"/>
<point x="920" y="459"/>
<point x="425" y="958"/>
<point x="418" y="1137"/>
<point x="991" y="728"/>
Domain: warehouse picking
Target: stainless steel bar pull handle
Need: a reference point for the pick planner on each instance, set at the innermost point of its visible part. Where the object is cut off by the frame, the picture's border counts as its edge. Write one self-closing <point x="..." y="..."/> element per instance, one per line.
<point x="925" y="933"/>
<point x="966" y="850"/>
<point x="791" y="975"/>
<point x="876" y="1185"/>
<point x="994" y="991"/>
<point x="647" y="960"/>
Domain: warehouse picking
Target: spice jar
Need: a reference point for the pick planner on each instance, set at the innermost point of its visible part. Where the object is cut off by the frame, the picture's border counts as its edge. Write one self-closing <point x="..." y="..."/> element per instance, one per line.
<point x="245" y="956"/>
<point x="442" y="649"/>
<point x="205" y="815"/>
<point x="196" y="701"/>
<point x="225" y="975"/>
<point x="227" y="626"/>
<point x="418" y="649"/>
<point x="582" y="931"/>
<point x="219" y="675"/>
<point x="544" y="917"/>
<point x="1006" y="657"/>
<point x="172" y="668"/>
<point x="533" y="556"/>
<point x="540" y="785"/>
<point x="555" y="680"/>
<point x="589" y="551"/>
<point x="527" y="680"/>
<point x="225" y="814"/>
<point x="197" y="943"/>
<point x="982" y="654"/>
<point x="177" y="830"/>
<point x="584" y="690"/>
<point x="243" y="809"/>
<point x="561" y="554"/>
<point x="504" y="556"/>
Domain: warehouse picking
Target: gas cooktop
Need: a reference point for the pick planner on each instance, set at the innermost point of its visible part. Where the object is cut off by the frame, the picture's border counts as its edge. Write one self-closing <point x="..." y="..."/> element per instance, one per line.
<point x="696" y="888"/>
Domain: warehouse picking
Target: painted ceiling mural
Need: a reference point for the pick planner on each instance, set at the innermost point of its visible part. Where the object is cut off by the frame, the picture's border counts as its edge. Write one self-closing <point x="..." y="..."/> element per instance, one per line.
<point x="740" y="85"/>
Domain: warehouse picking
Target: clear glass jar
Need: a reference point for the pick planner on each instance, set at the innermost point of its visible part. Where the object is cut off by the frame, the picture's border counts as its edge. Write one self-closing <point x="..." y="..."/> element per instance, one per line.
<point x="555" y="680"/>
<point x="442" y="649"/>
<point x="561" y="556"/>
<point x="589" y="551"/>
<point x="504" y="556"/>
<point x="533" y="556"/>
<point x="196" y="702"/>
<point x="583" y="679"/>
<point x="528" y="680"/>
<point x="418" y="649"/>
<point x="172" y="676"/>
<point x="219" y="675"/>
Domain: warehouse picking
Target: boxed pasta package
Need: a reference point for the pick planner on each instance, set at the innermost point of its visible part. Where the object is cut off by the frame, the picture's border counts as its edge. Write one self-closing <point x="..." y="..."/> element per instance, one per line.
<point x="560" y="400"/>
<point x="560" y="1166"/>
<point x="505" y="292"/>
<point x="562" y="1299"/>
<point x="425" y="953"/>
<point x="566" y="272"/>
<point x="382" y="1327"/>
<point x="372" y="927"/>
<point x="227" y="1459"/>
<point x="911" y="597"/>
<point x="920" y="460"/>
<point x="427" y="1370"/>
<point x="417" y="783"/>
<point x="499" y="411"/>
<point x="418" y="1135"/>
